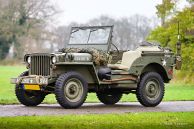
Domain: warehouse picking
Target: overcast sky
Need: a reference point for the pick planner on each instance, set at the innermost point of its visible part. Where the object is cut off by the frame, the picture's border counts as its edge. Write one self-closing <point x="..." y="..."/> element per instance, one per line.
<point x="83" y="10"/>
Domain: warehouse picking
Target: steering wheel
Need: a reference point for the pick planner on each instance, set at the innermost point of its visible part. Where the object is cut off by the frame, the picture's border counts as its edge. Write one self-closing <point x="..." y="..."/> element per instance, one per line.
<point x="115" y="48"/>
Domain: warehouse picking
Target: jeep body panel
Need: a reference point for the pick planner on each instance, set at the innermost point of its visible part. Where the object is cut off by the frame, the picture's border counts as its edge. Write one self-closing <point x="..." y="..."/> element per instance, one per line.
<point x="160" y="62"/>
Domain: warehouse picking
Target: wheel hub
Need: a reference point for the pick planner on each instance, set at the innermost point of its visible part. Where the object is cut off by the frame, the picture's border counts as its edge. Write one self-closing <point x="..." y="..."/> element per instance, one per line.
<point x="152" y="89"/>
<point x="73" y="90"/>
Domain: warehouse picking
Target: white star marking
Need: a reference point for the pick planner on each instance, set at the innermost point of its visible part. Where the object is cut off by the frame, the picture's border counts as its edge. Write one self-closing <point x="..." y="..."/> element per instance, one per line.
<point x="164" y="62"/>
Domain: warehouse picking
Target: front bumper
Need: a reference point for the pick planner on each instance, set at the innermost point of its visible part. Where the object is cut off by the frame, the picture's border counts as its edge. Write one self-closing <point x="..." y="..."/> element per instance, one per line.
<point x="32" y="79"/>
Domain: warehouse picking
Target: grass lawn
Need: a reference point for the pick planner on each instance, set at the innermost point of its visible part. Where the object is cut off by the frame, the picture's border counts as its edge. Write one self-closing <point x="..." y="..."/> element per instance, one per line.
<point x="110" y="121"/>
<point x="7" y="96"/>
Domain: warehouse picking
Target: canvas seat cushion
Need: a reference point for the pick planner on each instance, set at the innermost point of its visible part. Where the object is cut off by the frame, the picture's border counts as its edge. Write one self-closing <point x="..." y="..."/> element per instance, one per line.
<point x="130" y="56"/>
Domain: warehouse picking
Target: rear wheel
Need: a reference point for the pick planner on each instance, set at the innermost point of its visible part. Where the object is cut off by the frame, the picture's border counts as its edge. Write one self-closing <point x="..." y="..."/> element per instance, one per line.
<point x="71" y="90"/>
<point x="150" y="89"/>
<point x="28" y="98"/>
<point x="109" y="97"/>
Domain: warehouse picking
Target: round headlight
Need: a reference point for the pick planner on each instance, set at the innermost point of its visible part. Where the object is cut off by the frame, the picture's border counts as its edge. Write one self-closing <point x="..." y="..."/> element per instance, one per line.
<point x="54" y="59"/>
<point x="28" y="60"/>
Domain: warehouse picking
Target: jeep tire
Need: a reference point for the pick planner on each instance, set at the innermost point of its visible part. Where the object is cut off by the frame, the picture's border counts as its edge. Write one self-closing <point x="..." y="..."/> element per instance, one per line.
<point x="150" y="90"/>
<point x="28" y="98"/>
<point x="71" y="90"/>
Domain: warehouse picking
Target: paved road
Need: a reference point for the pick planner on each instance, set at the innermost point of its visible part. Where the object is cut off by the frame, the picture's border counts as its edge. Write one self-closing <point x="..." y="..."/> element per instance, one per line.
<point x="94" y="108"/>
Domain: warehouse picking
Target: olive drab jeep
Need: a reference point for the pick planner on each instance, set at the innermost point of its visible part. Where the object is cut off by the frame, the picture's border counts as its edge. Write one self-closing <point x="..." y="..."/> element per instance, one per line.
<point x="91" y="62"/>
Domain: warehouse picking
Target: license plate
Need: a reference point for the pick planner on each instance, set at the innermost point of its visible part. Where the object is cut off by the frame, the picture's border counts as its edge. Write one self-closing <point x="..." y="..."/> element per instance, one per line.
<point x="31" y="87"/>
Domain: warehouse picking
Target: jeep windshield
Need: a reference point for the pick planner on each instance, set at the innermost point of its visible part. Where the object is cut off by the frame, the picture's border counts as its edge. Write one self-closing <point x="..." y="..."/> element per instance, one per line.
<point x="93" y="35"/>
<point x="98" y="37"/>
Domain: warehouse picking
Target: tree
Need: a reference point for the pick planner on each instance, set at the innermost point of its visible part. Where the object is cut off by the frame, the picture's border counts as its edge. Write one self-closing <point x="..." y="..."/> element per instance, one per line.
<point x="165" y="9"/>
<point x="168" y="36"/>
<point x="20" y="19"/>
<point x="190" y="1"/>
<point x="4" y="47"/>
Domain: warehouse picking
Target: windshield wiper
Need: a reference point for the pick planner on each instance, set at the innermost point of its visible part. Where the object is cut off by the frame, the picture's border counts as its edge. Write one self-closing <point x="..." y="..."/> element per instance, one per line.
<point x="92" y="30"/>
<point x="75" y="31"/>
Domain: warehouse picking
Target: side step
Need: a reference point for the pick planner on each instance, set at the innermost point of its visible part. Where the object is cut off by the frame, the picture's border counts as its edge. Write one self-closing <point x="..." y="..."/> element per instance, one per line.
<point x="119" y="72"/>
<point x="130" y="77"/>
<point x="121" y="79"/>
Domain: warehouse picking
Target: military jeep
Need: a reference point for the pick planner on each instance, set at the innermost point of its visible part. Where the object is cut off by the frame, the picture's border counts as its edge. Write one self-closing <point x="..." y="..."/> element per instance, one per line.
<point x="90" y="62"/>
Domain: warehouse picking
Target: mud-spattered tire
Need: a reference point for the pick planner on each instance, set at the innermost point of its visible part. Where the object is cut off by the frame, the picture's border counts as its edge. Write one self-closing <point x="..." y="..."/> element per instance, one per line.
<point x="71" y="90"/>
<point x="150" y="90"/>
<point x="28" y="98"/>
<point x="109" y="97"/>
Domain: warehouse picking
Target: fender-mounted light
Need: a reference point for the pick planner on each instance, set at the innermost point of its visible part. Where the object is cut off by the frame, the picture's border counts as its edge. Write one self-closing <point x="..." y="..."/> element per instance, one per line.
<point x="28" y="60"/>
<point x="54" y="59"/>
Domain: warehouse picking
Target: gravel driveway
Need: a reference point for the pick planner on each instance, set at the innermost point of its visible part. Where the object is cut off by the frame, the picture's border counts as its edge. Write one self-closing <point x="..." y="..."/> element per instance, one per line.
<point x="94" y="108"/>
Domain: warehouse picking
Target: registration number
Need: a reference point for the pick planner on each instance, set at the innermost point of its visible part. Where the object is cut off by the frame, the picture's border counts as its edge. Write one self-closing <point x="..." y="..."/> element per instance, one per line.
<point x="31" y="87"/>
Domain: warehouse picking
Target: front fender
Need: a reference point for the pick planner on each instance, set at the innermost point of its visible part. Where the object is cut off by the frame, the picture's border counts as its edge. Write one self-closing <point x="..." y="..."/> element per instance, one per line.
<point x="87" y="69"/>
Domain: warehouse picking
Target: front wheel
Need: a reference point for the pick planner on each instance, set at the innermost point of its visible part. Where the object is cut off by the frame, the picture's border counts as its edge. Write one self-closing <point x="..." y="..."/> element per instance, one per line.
<point x="150" y="90"/>
<point x="71" y="90"/>
<point x="28" y="98"/>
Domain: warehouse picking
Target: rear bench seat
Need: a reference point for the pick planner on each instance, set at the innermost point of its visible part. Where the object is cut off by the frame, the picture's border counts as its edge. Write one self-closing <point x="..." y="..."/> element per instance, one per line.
<point x="130" y="56"/>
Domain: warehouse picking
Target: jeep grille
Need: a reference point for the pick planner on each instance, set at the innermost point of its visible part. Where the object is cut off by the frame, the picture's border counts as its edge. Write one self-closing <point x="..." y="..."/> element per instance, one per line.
<point x="40" y="65"/>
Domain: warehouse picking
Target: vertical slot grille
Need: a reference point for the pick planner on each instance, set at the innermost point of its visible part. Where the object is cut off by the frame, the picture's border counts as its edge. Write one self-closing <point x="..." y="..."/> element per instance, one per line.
<point x="40" y="65"/>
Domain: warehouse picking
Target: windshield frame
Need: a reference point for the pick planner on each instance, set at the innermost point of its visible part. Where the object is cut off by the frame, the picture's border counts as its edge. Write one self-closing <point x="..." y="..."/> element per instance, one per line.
<point x="92" y="28"/>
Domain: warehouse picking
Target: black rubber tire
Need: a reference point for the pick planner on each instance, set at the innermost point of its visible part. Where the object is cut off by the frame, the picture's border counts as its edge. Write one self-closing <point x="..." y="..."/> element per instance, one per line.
<point x="61" y="84"/>
<point x="109" y="97"/>
<point x="141" y="89"/>
<point x="28" y="98"/>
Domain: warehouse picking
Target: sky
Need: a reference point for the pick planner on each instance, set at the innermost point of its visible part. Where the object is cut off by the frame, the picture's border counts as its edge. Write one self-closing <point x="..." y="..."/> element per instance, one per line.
<point x="81" y="11"/>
